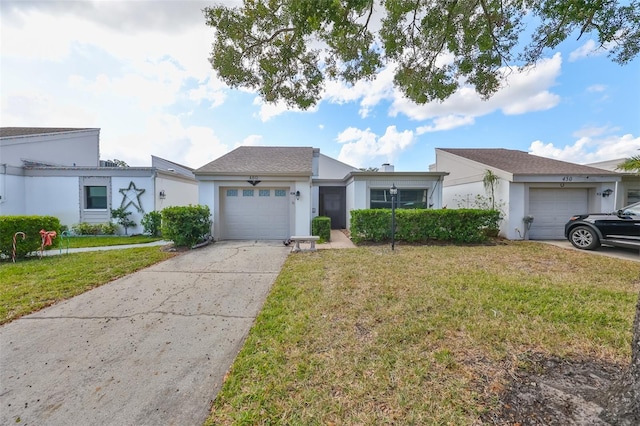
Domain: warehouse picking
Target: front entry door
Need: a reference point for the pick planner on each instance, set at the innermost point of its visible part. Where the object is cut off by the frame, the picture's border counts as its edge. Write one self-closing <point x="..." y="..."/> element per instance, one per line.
<point x="333" y="205"/>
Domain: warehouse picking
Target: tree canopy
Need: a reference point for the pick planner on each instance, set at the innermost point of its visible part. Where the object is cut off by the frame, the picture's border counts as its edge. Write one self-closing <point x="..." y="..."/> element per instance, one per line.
<point x="288" y="49"/>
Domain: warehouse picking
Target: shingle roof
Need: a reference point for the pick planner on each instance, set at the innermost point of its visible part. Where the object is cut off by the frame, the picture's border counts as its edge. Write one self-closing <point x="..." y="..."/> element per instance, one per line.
<point x="6" y="132"/>
<point x="522" y="163"/>
<point x="261" y="160"/>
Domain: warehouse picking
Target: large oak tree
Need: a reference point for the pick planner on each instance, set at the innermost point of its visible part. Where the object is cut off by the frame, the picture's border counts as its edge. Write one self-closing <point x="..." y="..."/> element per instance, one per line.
<point x="287" y="49"/>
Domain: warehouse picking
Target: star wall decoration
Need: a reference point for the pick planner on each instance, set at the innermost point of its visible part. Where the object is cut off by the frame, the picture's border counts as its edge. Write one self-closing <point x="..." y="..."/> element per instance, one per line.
<point x="131" y="196"/>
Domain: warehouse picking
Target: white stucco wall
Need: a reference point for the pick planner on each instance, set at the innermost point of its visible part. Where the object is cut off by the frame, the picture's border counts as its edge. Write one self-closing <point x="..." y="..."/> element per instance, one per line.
<point x="53" y="196"/>
<point x="73" y="148"/>
<point x="13" y="194"/>
<point x="208" y="196"/>
<point x="330" y="168"/>
<point x="178" y="192"/>
<point x="146" y="199"/>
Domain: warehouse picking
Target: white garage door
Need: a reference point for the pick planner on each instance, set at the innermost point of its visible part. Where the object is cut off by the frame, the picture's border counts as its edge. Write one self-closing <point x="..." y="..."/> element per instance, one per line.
<point x="552" y="208"/>
<point x="254" y="214"/>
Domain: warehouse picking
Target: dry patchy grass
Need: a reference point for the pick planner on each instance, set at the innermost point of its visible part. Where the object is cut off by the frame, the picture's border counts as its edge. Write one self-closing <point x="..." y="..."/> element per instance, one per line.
<point x="422" y="335"/>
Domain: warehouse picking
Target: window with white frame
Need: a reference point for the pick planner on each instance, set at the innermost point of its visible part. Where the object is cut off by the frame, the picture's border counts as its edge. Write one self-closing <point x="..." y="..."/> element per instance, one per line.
<point x="95" y="197"/>
<point x="406" y="199"/>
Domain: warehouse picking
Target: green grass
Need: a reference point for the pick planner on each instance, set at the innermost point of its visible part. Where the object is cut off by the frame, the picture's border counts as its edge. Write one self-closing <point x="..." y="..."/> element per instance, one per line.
<point x="422" y="335"/>
<point x="29" y="285"/>
<point x="100" y="241"/>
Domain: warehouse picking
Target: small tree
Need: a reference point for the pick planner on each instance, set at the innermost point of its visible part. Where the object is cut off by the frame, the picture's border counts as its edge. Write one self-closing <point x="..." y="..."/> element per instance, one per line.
<point x="490" y="181"/>
<point x="122" y="218"/>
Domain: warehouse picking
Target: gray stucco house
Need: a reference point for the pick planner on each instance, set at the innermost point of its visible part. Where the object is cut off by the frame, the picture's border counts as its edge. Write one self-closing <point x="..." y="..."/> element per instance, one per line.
<point x="275" y="192"/>
<point x="548" y="190"/>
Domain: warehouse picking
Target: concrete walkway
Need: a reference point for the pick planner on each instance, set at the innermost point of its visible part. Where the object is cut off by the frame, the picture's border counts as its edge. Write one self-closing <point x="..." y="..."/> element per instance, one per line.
<point x="338" y="241"/>
<point x="151" y="348"/>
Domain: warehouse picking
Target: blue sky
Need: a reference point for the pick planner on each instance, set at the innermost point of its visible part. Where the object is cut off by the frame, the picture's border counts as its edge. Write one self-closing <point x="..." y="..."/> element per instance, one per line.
<point x="139" y="71"/>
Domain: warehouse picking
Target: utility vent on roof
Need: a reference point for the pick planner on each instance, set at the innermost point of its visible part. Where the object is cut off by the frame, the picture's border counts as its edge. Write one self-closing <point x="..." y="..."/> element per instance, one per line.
<point x="386" y="167"/>
<point x="107" y="163"/>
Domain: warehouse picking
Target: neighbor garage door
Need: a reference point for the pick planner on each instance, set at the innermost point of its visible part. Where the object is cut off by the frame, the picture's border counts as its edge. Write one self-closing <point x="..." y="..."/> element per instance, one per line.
<point x="552" y="208"/>
<point x="254" y="214"/>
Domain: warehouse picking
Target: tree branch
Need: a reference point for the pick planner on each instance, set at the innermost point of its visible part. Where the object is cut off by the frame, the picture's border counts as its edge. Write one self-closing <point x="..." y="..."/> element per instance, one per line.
<point x="270" y="39"/>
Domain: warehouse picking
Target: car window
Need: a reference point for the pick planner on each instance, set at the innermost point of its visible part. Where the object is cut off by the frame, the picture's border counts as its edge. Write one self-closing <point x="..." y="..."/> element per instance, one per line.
<point x="632" y="210"/>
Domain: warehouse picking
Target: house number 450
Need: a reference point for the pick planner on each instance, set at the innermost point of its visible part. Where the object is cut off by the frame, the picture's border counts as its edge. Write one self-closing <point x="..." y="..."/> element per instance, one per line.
<point x="567" y="178"/>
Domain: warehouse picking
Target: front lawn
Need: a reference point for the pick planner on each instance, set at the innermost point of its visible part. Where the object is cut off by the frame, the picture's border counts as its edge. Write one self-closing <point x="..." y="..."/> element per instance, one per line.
<point x="421" y="335"/>
<point x="29" y="285"/>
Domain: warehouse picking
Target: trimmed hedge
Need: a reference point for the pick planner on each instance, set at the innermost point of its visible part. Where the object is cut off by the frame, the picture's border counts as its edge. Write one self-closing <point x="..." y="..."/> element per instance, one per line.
<point x="31" y="226"/>
<point x="424" y="225"/>
<point x="321" y="226"/>
<point x="187" y="225"/>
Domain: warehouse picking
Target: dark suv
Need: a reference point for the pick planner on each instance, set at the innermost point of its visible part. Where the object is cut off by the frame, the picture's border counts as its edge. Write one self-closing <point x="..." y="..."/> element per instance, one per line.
<point x="621" y="229"/>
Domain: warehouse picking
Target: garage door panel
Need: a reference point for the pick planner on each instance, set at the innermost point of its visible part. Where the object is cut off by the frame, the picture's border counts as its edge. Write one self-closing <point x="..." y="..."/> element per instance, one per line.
<point x="551" y="209"/>
<point x="248" y="214"/>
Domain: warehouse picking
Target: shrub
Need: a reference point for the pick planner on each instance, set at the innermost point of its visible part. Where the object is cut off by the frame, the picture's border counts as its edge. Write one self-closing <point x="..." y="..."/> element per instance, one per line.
<point x="321" y="226"/>
<point x="186" y="226"/>
<point x="31" y="226"/>
<point x="423" y="225"/>
<point x="152" y="222"/>
<point x="85" y="228"/>
<point x="108" y="228"/>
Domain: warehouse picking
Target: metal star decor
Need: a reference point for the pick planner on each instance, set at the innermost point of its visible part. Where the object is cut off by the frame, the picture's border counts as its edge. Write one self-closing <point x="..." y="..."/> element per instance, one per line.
<point x="131" y="196"/>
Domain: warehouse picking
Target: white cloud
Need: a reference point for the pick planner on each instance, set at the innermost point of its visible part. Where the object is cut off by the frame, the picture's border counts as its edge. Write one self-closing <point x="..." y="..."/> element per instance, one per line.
<point x="446" y="123"/>
<point x="596" y="88"/>
<point x="523" y="91"/>
<point x="269" y="110"/>
<point x="593" y="146"/>
<point x="363" y="148"/>
<point x="370" y="93"/>
<point x="164" y="136"/>
<point x="590" y="48"/>
<point x="251" y="140"/>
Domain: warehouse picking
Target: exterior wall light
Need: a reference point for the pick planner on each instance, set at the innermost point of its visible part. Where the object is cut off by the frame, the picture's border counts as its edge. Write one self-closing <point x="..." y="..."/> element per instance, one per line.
<point x="163" y="195"/>
<point x="297" y="195"/>
<point x="607" y="192"/>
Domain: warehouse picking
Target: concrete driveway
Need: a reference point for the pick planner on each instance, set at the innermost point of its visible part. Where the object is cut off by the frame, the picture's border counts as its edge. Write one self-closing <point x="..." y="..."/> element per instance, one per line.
<point x="617" y="252"/>
<point x="151" y="348"/>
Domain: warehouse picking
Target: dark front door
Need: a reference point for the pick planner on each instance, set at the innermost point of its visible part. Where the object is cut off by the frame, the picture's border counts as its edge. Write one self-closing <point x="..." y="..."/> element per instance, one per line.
<point x="333" y="204"/>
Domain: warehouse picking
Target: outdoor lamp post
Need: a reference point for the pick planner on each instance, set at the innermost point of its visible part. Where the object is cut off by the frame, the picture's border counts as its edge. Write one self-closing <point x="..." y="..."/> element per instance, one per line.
<point x="394" y="193"/>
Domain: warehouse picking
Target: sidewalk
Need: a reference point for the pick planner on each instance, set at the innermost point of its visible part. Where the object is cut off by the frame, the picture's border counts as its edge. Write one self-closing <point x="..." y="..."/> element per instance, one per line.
<point x="63" y="250"/>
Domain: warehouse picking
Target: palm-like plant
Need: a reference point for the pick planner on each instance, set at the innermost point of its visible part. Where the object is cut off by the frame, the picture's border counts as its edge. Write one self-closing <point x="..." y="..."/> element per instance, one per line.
<point x="631" y="164"/>
<point x="490" y="181"/>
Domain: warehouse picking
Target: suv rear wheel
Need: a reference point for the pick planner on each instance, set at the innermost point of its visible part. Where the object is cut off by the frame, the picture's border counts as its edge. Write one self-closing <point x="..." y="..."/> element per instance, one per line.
<point x="584" y="238"/>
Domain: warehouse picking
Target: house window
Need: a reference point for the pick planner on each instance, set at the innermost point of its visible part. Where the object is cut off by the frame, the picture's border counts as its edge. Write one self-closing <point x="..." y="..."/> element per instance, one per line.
<point x="232" y="192"/>
<point x="633" y="196"/>
<point x="95" y="197"/>
<point x="406" y="199"/>
<point x="280" y="193"/>
<point x="247" y="192"/>
<point x="264" y="193"/>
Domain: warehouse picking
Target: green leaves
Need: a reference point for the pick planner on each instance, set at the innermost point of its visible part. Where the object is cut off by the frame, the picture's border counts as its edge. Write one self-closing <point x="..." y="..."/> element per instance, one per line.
<point x="286" y="50"/>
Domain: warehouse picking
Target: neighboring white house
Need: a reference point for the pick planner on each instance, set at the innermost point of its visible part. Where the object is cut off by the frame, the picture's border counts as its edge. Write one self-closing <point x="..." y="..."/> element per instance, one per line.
<point x="628" y="189"/>
<point x="274" y="192"/>
<point x="548" y="190"/>
<point x="57" y="172"/>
